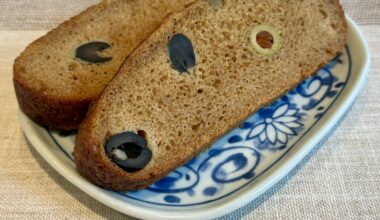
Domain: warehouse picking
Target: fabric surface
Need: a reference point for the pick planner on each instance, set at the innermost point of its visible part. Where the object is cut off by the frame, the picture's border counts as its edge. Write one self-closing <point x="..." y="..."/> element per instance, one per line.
<point x="340" y="179"/>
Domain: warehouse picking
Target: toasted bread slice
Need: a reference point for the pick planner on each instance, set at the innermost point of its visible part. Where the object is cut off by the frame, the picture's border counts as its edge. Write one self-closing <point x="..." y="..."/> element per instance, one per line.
<point x="55" y="81"/>
<point x="180" y="108"/>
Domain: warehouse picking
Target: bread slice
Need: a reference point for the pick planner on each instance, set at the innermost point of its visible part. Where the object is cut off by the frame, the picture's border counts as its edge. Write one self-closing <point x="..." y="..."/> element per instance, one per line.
<point x="54" y="87"/>
<point x="181" y="113"/>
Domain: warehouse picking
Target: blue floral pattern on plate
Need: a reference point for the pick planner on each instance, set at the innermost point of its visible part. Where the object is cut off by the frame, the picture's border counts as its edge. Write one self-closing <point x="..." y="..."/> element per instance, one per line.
<point x="248" y="151"/>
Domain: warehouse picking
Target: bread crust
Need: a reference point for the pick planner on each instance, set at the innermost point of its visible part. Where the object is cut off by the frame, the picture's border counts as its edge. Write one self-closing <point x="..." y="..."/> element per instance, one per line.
<point x="50" y="111"/>
<point x="91" y="159"/>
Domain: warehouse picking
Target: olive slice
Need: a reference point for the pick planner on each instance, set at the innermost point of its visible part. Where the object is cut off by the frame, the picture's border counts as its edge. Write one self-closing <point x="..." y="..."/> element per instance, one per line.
<point x="89" y="52"/>
<point x="129" y="151"/>
<point x="265" y="39"/>
<point x="181" y="53"/>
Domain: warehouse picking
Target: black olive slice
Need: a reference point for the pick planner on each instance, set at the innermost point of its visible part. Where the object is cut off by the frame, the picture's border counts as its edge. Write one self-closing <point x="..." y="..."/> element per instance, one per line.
<point x="181" y="53"/>
<point x="89" y="52"/>
<point x="129" y="151"/>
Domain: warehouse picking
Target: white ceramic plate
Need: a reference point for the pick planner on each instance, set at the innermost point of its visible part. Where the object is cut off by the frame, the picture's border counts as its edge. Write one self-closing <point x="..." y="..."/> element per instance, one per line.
<point x="245" y="162"/>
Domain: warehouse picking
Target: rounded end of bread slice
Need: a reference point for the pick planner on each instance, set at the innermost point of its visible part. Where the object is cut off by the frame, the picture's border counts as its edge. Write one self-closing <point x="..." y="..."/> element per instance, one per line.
<point x="50" y="111"/>
<point x="93" y="163"/>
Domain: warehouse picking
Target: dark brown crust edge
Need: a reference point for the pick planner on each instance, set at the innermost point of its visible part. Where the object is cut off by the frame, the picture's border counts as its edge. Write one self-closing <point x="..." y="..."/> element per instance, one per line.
<point x="92" y="162"/>
<point x="50" y="111"/>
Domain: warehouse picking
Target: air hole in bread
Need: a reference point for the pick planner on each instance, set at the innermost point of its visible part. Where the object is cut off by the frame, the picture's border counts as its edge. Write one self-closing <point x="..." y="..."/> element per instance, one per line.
<point x="323" y="13"/>
<point x="226" y="35"/>
<point x="328" y="51"/>
<point x="196" y="126"/>
<point x="234" y="59"/>
<point x="302" y="22"/>
<point x="72" y="67"/>
<point x="163" y="78"/>
<point x="217" y="83"/>
<point x="232" y="77"/>
<point x="172" y="142"/>
<point x="159" y="144"/>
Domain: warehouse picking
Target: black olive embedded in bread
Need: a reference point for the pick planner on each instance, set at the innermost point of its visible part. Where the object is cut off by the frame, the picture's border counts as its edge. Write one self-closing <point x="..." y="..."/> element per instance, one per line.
<point x="60" y="74"/>
<point x="90" y="52"/>
<point x="129" y="151"/>
<point x="199" y="75"/>
<point x="181" y="53"/>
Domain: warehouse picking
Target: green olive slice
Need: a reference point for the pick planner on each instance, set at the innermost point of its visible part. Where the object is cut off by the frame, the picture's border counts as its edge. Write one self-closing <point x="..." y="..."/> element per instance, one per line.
<point x="265" y="39"/>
